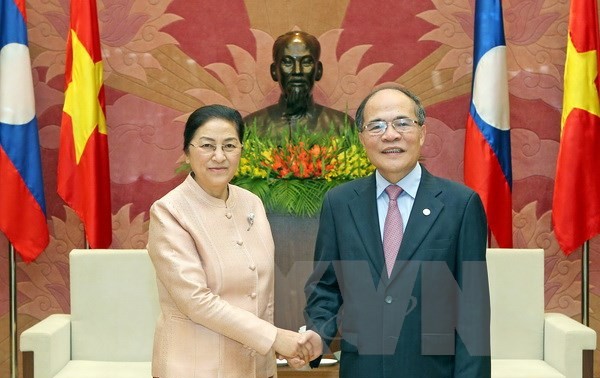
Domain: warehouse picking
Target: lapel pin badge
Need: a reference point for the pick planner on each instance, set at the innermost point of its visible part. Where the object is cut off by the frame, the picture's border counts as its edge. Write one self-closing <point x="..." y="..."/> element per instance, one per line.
<point x="250" y="220"/>
<point x="426" y="212"/>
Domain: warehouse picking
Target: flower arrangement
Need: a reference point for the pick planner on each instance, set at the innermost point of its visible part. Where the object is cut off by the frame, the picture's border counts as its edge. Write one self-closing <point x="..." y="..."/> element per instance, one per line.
<point x="292" y="173"/>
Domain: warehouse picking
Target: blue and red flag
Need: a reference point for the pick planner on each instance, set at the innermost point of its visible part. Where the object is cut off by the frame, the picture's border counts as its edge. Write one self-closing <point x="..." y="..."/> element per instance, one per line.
<point x="22" y="203"/>
<point x="488" y="168"/>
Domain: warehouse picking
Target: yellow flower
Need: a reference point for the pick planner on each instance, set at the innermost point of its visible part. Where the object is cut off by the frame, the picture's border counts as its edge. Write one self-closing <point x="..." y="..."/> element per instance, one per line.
<point x="268" y="155"/>
<point x="257" y="172"/>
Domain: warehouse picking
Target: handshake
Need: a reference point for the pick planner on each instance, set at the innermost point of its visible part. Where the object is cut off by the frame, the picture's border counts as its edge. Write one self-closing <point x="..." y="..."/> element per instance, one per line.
<point x="299" y="348"/>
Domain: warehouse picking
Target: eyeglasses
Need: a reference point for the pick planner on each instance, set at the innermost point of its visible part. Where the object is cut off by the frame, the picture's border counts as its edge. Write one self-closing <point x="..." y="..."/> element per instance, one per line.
<point x="401" y="125"/>
<point x="209" y="148"/>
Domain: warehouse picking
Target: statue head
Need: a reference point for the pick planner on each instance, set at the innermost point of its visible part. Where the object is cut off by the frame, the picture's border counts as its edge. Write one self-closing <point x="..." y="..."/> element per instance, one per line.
<point x="296" y="67"/>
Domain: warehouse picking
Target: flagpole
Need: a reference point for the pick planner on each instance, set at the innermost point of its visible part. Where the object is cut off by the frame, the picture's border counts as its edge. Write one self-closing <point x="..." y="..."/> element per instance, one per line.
<point x="588" y="355"/>
<point x="585" y="285"/>
<point x="12" y="295"/>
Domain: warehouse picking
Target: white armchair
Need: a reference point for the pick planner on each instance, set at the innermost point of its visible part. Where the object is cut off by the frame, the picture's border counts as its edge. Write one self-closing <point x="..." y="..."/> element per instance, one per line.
<point x="109" y="333"/>
<point x="525" y="341"/>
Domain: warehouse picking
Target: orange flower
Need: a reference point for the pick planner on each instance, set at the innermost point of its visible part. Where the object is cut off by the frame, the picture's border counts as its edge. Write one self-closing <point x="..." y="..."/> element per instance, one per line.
<point x="300" y="161"/>
<point x="317" y="150"/>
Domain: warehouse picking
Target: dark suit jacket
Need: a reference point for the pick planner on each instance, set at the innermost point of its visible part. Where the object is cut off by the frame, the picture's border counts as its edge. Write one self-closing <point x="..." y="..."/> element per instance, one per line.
<point x="431" y="317"/>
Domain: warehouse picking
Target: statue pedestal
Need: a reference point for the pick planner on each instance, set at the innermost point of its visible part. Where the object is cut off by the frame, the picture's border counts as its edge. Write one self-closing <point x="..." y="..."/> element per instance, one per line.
<point x="294" y="248"/>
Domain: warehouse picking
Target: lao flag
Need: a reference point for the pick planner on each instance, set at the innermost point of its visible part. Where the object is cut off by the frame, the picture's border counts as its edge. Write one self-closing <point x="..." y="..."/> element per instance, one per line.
<point x="487" y="140"/>
<point x="22" y="203"/>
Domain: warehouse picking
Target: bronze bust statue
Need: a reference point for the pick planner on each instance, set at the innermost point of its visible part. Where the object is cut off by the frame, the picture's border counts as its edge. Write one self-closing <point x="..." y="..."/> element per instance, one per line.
<point x="296" y="67"/>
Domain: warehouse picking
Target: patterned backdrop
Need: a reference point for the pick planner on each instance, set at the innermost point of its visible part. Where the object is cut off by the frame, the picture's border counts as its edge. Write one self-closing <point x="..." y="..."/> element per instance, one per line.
<point x="164" y="58"/>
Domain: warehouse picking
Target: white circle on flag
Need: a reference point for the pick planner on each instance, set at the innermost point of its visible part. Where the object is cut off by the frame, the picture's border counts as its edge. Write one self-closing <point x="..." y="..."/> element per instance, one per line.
<point x="17" y="103"/>
<point x="490" y="88"/>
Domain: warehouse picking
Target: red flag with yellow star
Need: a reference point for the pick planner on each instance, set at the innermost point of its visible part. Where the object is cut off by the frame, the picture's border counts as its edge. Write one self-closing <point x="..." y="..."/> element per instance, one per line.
<point x="83" y="168"/>
<point x="576" y="202"/>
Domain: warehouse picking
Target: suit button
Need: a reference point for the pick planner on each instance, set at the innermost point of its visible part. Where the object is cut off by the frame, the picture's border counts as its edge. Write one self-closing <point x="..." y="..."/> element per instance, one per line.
<point x="228" y="215"/>
<point x="253" y="353"/>
<point x="252" y="267"/>
<point x="388" y="299"/>
<point x="253" y="295"/>
<point x="240" y="242"/>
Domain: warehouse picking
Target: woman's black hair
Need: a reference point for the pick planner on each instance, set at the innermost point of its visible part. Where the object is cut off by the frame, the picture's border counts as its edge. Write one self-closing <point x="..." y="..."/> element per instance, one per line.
<point x="204" y="114"/>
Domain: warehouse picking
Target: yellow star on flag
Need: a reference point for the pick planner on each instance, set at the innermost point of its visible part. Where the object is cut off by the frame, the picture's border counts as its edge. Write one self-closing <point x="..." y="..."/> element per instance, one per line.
<point x="581" y="70"/>
<point x="83" y="91"/>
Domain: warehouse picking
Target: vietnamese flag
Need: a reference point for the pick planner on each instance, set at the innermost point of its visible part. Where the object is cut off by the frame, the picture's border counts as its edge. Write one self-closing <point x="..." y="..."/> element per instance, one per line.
<point x="576" y="202"/>
<point x="83" y="168"/>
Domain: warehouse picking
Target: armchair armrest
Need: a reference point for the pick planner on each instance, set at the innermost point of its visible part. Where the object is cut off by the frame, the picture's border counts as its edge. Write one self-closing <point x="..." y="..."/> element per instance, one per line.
<point x="50" y="342"/>
<point x="565" y="340"/>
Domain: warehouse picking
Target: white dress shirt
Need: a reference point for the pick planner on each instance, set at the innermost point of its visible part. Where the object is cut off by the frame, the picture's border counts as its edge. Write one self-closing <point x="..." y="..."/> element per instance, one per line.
<point x="409" y="185"/>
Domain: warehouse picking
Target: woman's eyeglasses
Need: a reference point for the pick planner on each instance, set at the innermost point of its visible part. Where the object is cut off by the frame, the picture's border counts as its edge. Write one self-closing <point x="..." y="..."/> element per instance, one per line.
<point x="209" y="148"/>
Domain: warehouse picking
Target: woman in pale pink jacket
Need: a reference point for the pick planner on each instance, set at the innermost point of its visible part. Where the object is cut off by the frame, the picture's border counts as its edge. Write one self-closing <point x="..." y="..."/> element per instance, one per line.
<point x="212" y="248"/>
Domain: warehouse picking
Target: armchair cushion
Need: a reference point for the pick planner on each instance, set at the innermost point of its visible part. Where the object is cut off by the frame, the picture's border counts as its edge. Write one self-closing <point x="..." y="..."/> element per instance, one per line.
<point x="114" y="305"/>
<point x="516" y="279"/>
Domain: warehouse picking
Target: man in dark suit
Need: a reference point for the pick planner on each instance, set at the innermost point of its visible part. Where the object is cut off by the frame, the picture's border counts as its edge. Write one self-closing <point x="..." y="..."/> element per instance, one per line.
<point x="402" y="281"/>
